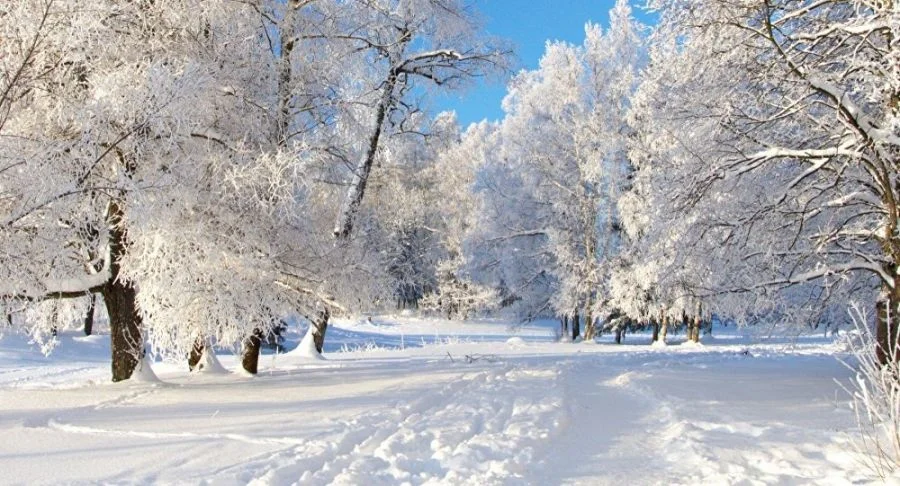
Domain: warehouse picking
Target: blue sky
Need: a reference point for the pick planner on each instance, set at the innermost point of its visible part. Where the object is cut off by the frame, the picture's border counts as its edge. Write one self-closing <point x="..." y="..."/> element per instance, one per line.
<point x="528" y="24"/>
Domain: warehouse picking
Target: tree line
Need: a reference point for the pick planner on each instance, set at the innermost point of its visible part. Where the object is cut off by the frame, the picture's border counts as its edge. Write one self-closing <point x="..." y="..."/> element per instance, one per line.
<point x="210" y="167"/>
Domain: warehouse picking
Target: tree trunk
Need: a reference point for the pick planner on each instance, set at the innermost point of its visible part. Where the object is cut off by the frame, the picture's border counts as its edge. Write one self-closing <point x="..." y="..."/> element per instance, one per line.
<point x="344" y="224"/>
<point x="89" y="317"/>
<point x="698" y="320"/>
<point x="54" y="319"/>
<point x="576" y="326"/>
<point x="126" y="341"/>
<point x="590" y="329"/>
<point x="655" y="326"/>
<point x="285" y="73"/>
<point x="564" y="325"/>
<point x="250" y="353"/>
<point x="196" y="353"/>
<point x="619" y="335"/>
<point x="320" y="325"/>
<point x="887" y="326"/>
<point x="664" y="330"/>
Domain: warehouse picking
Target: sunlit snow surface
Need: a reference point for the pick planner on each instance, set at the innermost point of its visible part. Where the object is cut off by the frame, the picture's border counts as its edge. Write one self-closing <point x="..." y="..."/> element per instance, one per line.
<point x="404" y="400"/>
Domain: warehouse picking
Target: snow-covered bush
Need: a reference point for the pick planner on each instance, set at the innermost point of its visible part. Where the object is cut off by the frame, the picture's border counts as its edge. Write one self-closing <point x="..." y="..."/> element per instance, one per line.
<point x="876" y="401"/>
<point x="459" y="297"/>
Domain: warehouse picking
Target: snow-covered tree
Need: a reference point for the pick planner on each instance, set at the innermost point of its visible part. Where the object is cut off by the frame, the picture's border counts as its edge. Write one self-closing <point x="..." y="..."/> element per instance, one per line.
<point x="181" y="157"/>
<point x="775" y="141"/>
<point x="563" y="153"/>
<point x="100" y="128"/>
<point x="409" y="45"/>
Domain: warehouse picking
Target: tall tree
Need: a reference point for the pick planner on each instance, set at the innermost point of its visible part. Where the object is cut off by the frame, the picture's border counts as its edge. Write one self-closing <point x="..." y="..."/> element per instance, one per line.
<point x="565" y="137"/>
<point x="410" y="45"/>
<point x="780" y="145"/>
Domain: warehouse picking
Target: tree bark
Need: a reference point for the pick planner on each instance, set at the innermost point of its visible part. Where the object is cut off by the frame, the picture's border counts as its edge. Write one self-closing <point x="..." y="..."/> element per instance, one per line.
<point x="126" y="341"/>
<point x="196" y="353"/>
<point x="564" y="325"/>
<point x="664" y="329"/>
<point x="887" y="326"/>
<point x="320" y="325"/>
<point x="285" y="73"/>
<point x="576" y="326"/>
<point x="54" y="319"/>
<point x="250" y="352"/>
<point x="344" y="225"/>
<point x="698" y="320"/>
<point x="655" y="326"/>
<point x="619" y="334"/>
<point x="590" y="330"/>
<point x="89" y="317"/>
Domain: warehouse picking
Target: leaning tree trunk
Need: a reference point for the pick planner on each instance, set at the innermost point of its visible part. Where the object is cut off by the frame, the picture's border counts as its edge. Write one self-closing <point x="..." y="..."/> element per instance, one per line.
<point x="196" y="353"/>
<point x="250" y="352"/>
<point x="126" y="341"/>
<point x="89" y="317"/>
<point x="320" y="325"/>
<point x="344" y="224"/>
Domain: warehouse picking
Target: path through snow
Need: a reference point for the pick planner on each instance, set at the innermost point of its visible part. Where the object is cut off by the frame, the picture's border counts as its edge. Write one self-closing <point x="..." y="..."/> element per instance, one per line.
<point x="526" y="411"/>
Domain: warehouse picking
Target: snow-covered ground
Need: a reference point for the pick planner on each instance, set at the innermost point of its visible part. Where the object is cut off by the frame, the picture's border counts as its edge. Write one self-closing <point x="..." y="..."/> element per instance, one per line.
<point x="409" y="401"/>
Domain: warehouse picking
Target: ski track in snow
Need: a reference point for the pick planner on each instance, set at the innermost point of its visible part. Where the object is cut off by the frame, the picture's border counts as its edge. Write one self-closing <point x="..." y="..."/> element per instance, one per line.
<point x="484" y="427"/>
<point x="703" y="442"/>
<point x="38" y="378"/>
<point x="75" y="429"/>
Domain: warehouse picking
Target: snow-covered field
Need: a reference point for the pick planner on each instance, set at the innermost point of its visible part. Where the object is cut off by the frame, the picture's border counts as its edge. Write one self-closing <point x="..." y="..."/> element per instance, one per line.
<point x="407" y="401"/>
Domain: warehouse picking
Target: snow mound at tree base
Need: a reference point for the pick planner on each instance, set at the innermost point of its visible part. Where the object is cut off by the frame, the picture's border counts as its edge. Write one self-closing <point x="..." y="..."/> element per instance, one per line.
<point x="143" y="373"/>
<point x="659" y="344"/>
<point x="307" y="348"/>
<point x="516" y="342"/>
<point x="209" y="363"/>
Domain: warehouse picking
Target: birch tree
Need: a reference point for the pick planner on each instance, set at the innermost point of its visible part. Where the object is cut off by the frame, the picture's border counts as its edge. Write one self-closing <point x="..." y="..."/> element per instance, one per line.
<point x="410" y="45"/>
